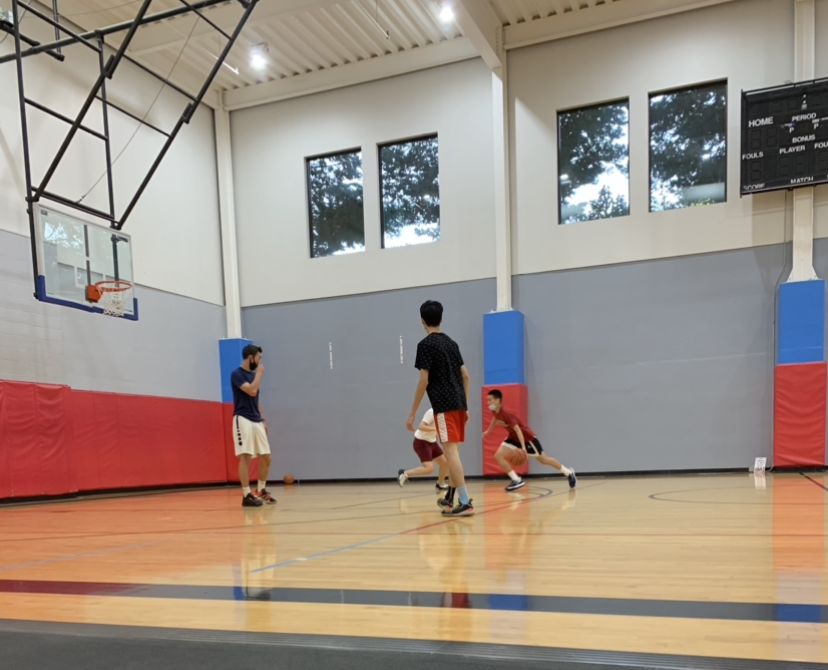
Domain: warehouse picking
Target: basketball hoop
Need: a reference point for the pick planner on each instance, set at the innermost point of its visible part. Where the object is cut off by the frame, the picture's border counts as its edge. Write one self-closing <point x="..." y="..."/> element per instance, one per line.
<point x="110" y="293"/>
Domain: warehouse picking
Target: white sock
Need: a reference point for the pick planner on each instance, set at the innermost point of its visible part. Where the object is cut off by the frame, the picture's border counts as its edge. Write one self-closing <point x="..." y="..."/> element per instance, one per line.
<point x="262" y="485"/>
<point x="246" y="490"/>
<point x="514" y="476"/>
<point x="566" y="471"/>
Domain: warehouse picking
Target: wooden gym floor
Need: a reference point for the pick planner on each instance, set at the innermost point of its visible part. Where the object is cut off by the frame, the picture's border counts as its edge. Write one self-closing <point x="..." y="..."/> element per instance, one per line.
<point x="703" y="566"/>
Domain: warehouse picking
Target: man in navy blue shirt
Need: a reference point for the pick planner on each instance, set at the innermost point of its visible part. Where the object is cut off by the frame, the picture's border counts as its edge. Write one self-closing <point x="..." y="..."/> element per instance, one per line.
<point x="249" y="428"/>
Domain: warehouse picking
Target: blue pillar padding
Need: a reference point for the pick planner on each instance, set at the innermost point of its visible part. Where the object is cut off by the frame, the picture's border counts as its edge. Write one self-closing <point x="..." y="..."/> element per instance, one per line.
<point x="801" y="323"/>
<point x="230" y="357"/>
<point x="503" y="348"/>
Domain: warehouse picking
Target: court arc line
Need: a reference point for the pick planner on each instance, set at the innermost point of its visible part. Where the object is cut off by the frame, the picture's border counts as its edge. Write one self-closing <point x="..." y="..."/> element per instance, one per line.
<point x="657" y="497"/>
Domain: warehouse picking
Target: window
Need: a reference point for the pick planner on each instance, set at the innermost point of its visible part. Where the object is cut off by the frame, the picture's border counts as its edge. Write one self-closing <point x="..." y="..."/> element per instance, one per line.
<point x="410" y="192"/>
<point x="688" y="147"/>
<point x="594" y="162"/>
<point x="337" y="225"/>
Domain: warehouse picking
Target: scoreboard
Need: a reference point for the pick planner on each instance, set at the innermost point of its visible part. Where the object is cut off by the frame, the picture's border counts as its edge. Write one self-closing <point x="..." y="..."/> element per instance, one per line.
<point x="785" y="137"/>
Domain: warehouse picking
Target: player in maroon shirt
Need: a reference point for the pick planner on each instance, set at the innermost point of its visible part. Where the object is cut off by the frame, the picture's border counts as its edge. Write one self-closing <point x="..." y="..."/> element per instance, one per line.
<point x="520" y="437"/>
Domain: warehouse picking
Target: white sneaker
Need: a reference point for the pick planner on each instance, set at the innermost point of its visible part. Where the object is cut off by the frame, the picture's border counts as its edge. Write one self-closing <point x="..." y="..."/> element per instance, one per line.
<point x="402" y="478"/>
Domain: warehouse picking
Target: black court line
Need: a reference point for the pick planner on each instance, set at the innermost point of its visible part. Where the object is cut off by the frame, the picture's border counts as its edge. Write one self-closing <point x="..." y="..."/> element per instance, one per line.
<point x="678" y="609"/>
<point x="814" y="481"/>
<point x="48" y="646"/>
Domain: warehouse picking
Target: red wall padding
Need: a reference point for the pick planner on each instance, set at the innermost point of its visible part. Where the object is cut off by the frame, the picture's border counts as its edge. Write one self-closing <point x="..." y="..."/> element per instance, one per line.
<point x="55" y="440"/>
<point x="516" y="400"/>
<point x="799" y="420"/>
<point x="35" y="440"/>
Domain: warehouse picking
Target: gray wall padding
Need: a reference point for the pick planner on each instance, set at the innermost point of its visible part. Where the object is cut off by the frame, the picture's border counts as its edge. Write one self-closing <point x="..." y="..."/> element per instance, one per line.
<point x="349" y="421"/>
<point x="657" y="365"/>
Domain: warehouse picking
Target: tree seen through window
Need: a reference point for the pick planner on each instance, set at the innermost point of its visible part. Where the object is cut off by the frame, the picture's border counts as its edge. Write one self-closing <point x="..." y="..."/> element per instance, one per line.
<point x="337" y="223"/>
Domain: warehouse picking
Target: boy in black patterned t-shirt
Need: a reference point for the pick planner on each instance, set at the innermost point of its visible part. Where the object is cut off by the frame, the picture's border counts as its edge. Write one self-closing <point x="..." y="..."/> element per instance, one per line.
<point x="444" y="377"/>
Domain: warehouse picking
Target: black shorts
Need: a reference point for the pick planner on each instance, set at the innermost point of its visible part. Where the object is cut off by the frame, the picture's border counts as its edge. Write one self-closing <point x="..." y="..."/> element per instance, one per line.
<point x="533" y="447"/>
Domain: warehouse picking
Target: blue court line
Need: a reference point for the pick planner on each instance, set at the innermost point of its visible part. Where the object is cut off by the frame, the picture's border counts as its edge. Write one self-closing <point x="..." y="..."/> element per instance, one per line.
<point x="510" y="602"/>
<point x="496" y="508"/>
<point x="324" y="553"/>
<point x="69" y="557"/>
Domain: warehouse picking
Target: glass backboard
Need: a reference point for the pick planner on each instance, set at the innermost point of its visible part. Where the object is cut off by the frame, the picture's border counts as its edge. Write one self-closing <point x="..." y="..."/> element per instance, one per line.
<point x="73" y="254"/>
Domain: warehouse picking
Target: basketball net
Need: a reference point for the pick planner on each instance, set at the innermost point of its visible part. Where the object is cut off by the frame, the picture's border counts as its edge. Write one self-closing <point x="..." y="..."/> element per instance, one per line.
<point x="112" y="303"/>
<point x="112" y="296"/>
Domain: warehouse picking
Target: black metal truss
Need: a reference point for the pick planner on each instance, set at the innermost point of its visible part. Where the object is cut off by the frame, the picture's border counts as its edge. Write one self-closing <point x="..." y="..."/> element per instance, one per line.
<point x="94" y="40"/>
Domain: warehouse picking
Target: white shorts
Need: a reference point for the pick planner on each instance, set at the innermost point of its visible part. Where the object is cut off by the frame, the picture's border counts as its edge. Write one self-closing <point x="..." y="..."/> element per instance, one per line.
<point x="249" y="437"/>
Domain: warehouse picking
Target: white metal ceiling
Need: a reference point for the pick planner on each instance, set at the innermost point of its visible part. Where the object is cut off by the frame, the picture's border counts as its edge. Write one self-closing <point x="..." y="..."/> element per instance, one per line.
<point x="310" y="36"/>
<point x="326" y="37"/>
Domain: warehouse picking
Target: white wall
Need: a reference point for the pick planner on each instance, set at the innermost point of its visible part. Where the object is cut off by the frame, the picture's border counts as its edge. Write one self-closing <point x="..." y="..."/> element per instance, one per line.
<point x="749" y="43"/>
<point x="41" y="342"/>
<point x="270" y="144"/>
<point x="175" y="227"/>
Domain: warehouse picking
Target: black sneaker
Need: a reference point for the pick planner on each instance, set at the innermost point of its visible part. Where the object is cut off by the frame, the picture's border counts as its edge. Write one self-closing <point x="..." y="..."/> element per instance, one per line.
<point x="266" y="498"/>
<point x="460" y="510"/>
<point x="441" y="487"/>
<point x="402" y="478"/>
<point x="573" y="480"/>
<point x="251" y="501"/>
<point x="514" y="486"/>
<point x="444" y="504"/>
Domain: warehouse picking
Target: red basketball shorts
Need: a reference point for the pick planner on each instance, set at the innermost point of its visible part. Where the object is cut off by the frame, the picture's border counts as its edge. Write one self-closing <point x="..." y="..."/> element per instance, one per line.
<point x="451" y="426"/>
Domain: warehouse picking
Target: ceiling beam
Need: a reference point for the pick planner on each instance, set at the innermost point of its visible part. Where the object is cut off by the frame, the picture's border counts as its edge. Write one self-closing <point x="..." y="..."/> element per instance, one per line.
<point x="349" y="75"/>
<point x="600" y="17"/>
<point x="165" y="35"/>
<point x="480" y="25"/>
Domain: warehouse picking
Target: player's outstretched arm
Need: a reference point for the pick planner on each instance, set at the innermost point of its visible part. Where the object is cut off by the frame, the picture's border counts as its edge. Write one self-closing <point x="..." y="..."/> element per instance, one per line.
<point x="466" y="386"/>
<point x="490" y="428"/>
<point x="422" y="384"/>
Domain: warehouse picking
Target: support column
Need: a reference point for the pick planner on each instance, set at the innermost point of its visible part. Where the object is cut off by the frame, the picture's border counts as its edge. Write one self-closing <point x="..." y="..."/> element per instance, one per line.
<point x="803" y="213"/>
<point x="504" y="368"/>
<point x="801" y="375"/>
<point x="230" y="348"/>
<point x="502" y="178"/>
<point x="227" y="214"/>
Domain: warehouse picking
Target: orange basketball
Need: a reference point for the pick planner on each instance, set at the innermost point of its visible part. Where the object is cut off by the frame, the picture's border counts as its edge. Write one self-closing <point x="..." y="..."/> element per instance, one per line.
<point x="516" y="457"/>
<point x="288" y="479"/>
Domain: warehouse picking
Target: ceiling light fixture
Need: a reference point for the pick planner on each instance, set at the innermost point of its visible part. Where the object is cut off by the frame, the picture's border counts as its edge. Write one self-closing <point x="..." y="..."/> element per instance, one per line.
<point x="446" y="13"/>
<point x="258" y="56"/>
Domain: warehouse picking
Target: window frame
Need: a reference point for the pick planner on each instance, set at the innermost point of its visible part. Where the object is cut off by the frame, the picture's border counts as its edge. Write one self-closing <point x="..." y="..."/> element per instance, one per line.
<point x="581" y="108"/>
<point x="309" y="204"/>
<point x="380" y="146"/>
<point x="683" y="89"/>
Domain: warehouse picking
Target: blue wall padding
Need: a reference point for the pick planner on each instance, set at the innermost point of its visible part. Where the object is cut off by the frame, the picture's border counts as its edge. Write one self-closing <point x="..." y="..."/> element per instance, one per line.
<point x="503" y="348"/>
<point x="801" y="323"/>
<point x="230" y="357"/>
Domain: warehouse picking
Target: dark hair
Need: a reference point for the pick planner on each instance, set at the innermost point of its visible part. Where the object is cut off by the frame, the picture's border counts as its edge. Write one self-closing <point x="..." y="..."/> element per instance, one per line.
<point x="250" y="350"/>
<point x="431" y="312"/>
<point x="496" y="394"/>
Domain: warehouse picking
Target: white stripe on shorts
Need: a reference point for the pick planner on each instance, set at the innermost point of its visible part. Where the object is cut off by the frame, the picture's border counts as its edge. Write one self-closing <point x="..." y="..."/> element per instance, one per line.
<point x="441" y="427"/>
